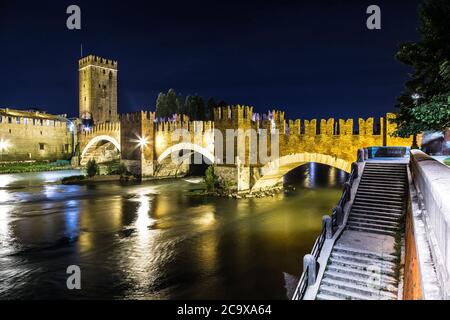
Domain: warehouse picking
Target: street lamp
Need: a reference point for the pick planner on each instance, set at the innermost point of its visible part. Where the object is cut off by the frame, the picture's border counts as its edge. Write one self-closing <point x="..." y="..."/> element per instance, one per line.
<point x="415" y="96"/>
<point x="72" y="131"/>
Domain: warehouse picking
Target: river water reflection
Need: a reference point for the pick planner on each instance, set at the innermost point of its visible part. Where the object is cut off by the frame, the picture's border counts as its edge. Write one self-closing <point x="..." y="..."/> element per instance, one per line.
<point x="153" y="241"/>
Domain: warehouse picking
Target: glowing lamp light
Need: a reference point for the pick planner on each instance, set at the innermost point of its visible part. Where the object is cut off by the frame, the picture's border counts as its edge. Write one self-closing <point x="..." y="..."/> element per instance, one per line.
<point x="142" y="142"/>
<point x="415" y="96"/>
<point x="4" y="144"/>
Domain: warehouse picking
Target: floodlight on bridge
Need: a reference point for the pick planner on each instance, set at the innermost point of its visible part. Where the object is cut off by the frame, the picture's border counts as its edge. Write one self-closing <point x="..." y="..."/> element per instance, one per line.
<point x="4" y="144"/>
<point x="142" y="142"/>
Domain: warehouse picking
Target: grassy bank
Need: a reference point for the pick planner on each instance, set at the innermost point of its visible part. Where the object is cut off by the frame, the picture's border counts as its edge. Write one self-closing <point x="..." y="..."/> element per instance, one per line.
<point x="36" y="166"/>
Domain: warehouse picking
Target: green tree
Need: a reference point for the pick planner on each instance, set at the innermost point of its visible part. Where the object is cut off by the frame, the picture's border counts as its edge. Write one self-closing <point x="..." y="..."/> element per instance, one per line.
<point x="211" y="180"/>
<point x="200" y="109"/>
<point x="194" y="106"/>
<point x="426" y="90"/>
<point x="91" y="168"/>
<point x="210" y="105"/>
<point x="189" y="107"/>
<point x="168" y="104"/>
<point x="433" y="115"/>
<point x="173" y="102"/>
<point x="161" y="106"/>
<point x="222" y="104"/>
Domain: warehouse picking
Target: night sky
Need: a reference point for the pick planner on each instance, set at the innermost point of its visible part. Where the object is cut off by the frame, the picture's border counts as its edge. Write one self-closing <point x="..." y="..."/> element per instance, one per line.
<point x="309" y="58"/>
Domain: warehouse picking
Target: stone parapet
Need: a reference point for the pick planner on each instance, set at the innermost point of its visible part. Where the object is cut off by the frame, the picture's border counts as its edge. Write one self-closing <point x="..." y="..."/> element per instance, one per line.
<point x="431" y="222"/>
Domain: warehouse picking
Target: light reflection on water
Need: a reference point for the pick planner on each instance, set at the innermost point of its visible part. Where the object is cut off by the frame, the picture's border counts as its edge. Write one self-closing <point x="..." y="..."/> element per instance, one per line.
<point x="153" y="241"/>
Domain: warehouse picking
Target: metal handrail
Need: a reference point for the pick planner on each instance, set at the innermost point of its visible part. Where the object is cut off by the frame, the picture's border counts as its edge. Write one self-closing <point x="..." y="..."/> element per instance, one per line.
<point x="346" y="194"/>
<point x="318" y="245"/>
<point x="303" y="285"/>
<point x="315" y="252"/>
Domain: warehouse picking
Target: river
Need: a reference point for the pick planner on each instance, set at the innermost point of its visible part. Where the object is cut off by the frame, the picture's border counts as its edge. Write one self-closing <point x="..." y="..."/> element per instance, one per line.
<point x="154" y="240"/>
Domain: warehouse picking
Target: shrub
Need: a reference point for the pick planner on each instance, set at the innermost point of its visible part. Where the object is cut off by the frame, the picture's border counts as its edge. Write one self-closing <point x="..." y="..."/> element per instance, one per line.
<point x="211" y="180"/>
<point x="122" y="169"/>
<point x="91" y="168"/>
<point x="225" y="185"/>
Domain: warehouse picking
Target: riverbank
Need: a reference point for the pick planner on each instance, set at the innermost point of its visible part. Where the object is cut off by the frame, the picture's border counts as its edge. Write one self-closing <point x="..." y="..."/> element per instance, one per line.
<point x="81" y="179"/>
<point x="33" y="166"/>
<point x="272" y="192"/>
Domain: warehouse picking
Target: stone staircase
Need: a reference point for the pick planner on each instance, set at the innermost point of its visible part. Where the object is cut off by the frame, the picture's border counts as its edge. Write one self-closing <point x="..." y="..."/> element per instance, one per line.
<point x="380" y="200"/>
<point x="353" y="272"/>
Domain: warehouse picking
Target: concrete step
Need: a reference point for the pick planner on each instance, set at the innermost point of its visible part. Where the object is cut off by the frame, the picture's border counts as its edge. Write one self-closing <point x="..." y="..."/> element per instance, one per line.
<point x="326" y="297"/>
<point x="381" y="192"/>
<point x="385" y="170"/>
<point x="360" y="266"/>
<point x="369" y="204"/>
<point x="385" y="175"/>
<point x="373" y="273"/>
<point x="380" y="195"/>
<point x="357" y="220"/>
<point x="382" y="168"/>
<point x="371" y="230"/>
<point x="361" y="290"/>
<point x="365" y="253"/>
<point x="374" y="282"/>
<point x="341" y="294"/>
<point x="384" y="188"/>
<point x="381" y="214"/>
<point x="377" y="204"/>
<point x="393" y="172"/>
<point x="373" y="218"/>
<point x="378" y="226"/>
<point x="382" y="182"/>
<point x="394" y="202"/>
<point x="385" y="165"/>
<point x="378" y="169"/>
<point x="377" y="208"/>
<point x="383" y="264"/>
<point x="376" y="185"/>
<point x="366" y="198"/>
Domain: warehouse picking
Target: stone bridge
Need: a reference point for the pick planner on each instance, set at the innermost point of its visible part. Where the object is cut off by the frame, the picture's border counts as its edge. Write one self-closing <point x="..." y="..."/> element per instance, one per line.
<point x="147" y="147"/>
<point x="101" y="143"/>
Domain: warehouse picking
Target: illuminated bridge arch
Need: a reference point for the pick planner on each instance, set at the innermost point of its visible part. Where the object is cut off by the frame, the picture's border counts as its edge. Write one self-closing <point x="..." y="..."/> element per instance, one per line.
<point x="93" y="143"/>
<point x="186" y="146"/>
<point x="272" y="173"/>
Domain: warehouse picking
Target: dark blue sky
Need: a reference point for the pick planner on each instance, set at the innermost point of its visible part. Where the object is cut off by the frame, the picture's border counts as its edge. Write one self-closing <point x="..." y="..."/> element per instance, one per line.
<point x="309" y="58"/>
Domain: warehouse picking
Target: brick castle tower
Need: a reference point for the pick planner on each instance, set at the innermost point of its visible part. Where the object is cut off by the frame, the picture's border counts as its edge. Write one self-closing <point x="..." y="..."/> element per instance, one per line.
<point x="98" y="90"/>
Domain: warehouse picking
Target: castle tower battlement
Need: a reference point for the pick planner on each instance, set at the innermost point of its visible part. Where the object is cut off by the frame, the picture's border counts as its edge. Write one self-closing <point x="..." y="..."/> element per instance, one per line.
<point x="92" y="60"/>
<point x="234" y="113"/>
